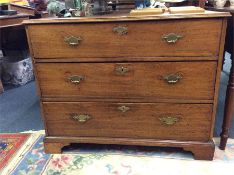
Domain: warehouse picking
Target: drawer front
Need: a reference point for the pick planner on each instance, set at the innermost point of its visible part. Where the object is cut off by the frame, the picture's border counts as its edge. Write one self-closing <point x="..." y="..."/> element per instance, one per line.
<point x="127" y="39"/>
<point x="129" y="120"/>
<point x="152" y="80"/>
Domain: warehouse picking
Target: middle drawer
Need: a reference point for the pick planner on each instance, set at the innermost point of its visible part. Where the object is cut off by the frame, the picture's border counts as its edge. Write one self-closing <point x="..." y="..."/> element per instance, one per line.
<point x="160" y="80"/>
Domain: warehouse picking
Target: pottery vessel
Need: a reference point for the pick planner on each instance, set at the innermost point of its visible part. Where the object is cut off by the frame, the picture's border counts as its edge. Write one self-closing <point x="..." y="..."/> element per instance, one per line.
<point x="219" y="3"/>
<point x="231" y="3"/>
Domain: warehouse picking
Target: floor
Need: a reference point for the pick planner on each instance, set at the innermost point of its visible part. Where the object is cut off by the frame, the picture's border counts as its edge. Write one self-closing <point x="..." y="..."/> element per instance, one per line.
<point x="20" y="110"/>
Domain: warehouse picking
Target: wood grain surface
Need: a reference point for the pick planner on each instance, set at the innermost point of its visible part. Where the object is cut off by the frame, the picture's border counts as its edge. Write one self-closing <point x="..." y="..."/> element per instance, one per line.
<point x="12" y="20"/>
<point x="141" y="81"/>
<point x="143" y="39"/>
<point x="142" y="120"/>
<point x="200" y="150"/>
<point x="124" y="16"/>
<point x="146" y="59"/>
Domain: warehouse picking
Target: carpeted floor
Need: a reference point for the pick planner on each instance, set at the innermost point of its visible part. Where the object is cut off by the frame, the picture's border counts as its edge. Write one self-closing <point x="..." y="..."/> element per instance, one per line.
<point x="10" y="144"/>
<point x="115" y="160"/>
<point x="20" y="111"/>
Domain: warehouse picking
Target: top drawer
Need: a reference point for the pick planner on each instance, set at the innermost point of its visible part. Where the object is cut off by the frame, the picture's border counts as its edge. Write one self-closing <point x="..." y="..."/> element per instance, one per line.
<point x="199" y="37"/>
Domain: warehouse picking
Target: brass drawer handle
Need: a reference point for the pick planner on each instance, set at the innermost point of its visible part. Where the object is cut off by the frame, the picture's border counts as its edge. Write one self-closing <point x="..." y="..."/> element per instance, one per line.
<point x="169" y="120"/>
<point x="171" y="37"/>
<point x="120" y="30"/>
<point x="73" y="41"/>
<point x="121" y="70"/>
<point x="82" y="118"/>
<point x="75" y="79"/>
<point x="123" y="108"/>
<point x="172" y="78"/>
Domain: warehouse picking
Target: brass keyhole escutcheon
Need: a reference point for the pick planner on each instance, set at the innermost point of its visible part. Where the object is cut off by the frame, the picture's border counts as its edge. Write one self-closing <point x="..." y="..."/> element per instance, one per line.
<point x="120" y="30"/>
<point x="123" y="108"/>
<point x="171" y="38"/>
<point x="121" y="70"/>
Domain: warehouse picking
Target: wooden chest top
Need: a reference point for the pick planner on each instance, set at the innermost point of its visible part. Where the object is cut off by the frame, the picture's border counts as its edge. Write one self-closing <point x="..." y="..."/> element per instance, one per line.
<point x="125" y="17"/>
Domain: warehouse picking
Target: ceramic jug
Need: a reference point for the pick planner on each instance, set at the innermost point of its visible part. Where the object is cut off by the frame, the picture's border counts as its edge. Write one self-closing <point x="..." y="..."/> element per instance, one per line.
<point x="219" y="3"/>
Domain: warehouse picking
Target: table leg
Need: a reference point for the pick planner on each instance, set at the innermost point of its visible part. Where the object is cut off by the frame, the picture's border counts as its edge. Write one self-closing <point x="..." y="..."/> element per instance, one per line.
<point x="229" y="108"/>
<point x="1" y="86"/>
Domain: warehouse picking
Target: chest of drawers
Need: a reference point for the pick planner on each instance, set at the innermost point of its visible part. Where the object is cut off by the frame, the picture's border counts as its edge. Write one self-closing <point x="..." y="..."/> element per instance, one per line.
<point x="149" y="81"/>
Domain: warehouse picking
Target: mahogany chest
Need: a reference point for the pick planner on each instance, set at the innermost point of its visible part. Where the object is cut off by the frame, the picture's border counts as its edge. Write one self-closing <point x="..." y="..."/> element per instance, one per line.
<point x="146" y="80"/>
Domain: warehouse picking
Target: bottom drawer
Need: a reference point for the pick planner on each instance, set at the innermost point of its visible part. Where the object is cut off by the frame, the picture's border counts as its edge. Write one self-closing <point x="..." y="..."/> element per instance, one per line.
<point x="129" y="120"/>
